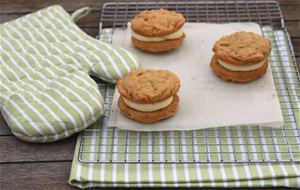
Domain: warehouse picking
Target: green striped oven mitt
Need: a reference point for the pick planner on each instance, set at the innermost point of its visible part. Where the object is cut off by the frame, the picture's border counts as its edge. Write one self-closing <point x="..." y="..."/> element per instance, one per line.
<point x="47" y="93"/>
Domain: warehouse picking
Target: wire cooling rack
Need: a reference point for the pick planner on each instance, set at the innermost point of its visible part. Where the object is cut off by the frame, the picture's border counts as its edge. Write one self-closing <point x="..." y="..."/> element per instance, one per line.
<point x="103" y="144"/>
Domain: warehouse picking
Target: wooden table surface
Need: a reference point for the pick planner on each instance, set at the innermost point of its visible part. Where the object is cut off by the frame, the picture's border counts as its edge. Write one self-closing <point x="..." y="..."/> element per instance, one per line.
<point x="47" y="166"/>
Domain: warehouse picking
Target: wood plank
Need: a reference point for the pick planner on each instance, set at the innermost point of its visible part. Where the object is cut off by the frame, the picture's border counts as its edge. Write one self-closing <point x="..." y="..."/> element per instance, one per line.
<point x="93" y="32"/>
<point x="89" y="24"/>
<point x="298" y="63"/>
<point x="290" y="12"/>
<point x="13" y="149"/>
<point x="26" y="6"/>
<point x="296" y="46"/>
<point x="293" y="28"/>
<point x="47" y="176"/>
<point x="91" y="20"/>
<point x="4" y="129"/>
<point x="288" y="2"/>
<point x="9" y="17"/>
<point x="52" y="175"/>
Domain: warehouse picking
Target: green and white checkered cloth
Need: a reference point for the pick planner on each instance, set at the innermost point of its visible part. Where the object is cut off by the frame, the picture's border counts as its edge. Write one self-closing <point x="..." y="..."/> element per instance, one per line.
<point x="46" y="63"/>
<point x="85" y="175"/>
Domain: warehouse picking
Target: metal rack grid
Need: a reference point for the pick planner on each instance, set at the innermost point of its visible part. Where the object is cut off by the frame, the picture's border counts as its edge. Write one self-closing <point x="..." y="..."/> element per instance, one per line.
<point x="103" y="144"/>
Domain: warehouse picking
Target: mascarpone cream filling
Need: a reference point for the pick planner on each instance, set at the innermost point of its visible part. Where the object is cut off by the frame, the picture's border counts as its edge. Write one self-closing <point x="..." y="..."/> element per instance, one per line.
<point x="232" y="67"/>
<point x="149" y="107"/>
<point x="172" y="36"/>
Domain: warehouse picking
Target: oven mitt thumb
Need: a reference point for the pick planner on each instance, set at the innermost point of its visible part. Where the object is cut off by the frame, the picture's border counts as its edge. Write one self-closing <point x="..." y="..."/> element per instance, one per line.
<point x="46" y="92"/>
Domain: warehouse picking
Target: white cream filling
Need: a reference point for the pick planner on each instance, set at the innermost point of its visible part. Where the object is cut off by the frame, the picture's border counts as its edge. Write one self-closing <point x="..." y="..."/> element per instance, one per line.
<point x="148" y="107"/>
<point x="241" y="67"/>
<point x="172" y="36"/>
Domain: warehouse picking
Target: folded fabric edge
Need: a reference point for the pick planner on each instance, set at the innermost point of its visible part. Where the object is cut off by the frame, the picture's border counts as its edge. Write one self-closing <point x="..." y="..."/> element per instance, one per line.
<point x="280" y="182"/>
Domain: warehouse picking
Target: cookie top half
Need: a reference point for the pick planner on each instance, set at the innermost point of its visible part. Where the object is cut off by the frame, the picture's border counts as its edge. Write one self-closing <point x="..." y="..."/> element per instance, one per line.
<point x="242" y="48"/>
<point x="157" y="23"/>
<point x="148" y="85"/>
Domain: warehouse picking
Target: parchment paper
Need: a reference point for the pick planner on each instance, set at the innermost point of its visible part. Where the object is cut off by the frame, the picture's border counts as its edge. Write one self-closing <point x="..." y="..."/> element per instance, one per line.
<point x="206" y="101"/>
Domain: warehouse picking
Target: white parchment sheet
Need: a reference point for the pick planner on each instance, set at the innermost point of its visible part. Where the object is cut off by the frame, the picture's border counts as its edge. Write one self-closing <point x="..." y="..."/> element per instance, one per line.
<point x="206" y="101"/>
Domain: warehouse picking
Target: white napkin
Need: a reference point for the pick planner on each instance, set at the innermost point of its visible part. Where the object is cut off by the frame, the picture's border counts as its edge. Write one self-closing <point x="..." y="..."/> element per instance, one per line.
<point x="206" y="101"/>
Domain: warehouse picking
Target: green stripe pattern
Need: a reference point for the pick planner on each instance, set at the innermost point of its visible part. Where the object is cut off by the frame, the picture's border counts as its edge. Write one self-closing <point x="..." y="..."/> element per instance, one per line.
<point x="275" y="174"/>
<point x="47" y="93"/>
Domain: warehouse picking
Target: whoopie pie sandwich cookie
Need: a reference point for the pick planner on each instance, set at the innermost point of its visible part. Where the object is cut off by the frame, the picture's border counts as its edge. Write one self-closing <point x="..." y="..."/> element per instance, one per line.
<point x="157" y="30"/>
<point x="241" y="56"/>
<point x="149" y="95"/>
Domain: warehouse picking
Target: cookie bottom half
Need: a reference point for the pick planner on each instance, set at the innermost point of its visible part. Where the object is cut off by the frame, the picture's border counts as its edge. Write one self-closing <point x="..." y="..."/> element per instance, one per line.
<point x="158" y="46"/>
<point x="237" y="76"/>
<point x="149" y="117"/>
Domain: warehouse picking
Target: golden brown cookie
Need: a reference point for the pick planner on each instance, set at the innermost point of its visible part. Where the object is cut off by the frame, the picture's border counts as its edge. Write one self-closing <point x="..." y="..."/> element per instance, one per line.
<point x="237" y="76"/>
<point x="242" y="48"/>
<point x="156" y="23"/>
<point x="148" y="85"/>
<point x="149" y="117"/>
<point x="158" y="46"/>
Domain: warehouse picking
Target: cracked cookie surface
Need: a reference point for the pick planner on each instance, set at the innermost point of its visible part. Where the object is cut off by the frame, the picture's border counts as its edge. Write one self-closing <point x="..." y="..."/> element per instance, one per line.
<point x="148" y="85"/>
<point x="155" y="23"/>
<point x="242" y="48"/>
